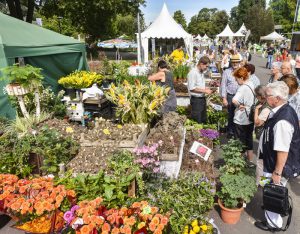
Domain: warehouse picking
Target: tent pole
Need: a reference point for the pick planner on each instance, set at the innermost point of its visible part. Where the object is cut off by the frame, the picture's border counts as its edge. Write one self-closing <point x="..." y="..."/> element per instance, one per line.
<point x="140" y="39"/>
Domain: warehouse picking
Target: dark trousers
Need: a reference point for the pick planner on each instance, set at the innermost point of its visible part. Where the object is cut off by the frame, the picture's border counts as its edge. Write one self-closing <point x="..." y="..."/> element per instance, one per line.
<point x="231" y="109"/>
<point x="244" y="133"/>
<point x="198" y="109"/>
<point x="298" y="74"/>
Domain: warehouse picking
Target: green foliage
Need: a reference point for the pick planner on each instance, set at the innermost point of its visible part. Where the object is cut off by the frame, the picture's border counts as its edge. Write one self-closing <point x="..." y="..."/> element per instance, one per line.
<point x="236" y="189"/>
<point x="27" y="76"/>
<point x="126" y="24"/>
<point x="188" y="197"/>
<point x="193" y="125"/>
<point x="63" y="26"/>
<point x="111" y="185"/>
<point x="181" y="110"/>
<point x="209" y="21"/>
<point x="232" y="154"/>
<point x="255" y="16"/>
<point x="94" y="18"/>
<point x="238" y="185"/>
<point x="49" y="102"/>
<point x="284" y="13"/>
<point x="180" y="18"/>
<point x="181" y="71"/>
<point x="46" y="143"/>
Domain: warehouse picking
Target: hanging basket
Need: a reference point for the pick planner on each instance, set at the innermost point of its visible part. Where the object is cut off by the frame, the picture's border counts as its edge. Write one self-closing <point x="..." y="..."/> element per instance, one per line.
<point x="16" y="90"/>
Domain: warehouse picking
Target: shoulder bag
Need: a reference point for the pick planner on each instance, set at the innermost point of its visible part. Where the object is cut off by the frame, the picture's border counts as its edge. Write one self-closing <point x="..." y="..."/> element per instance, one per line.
<point x="252" y="108"/>
<point x="276" y="199"/>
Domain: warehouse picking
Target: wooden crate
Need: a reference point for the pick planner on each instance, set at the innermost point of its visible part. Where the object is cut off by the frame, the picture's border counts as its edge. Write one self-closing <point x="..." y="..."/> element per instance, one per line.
<point x="170" y="157"/>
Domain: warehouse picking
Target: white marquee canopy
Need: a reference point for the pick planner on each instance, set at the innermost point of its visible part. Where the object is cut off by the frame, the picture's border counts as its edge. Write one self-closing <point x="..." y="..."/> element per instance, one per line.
<point x="274" y="36"/>
<point x="164" y="26"/>
<point x="227" y="32"/>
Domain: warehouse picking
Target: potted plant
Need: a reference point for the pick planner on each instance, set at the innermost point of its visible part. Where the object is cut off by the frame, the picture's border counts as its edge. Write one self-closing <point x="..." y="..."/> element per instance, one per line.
<point x="22" y="80"/>
<point x="237" y="185"/>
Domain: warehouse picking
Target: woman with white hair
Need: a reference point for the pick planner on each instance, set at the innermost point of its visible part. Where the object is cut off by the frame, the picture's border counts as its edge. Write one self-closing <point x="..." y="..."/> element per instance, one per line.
<point x="275" y="71"/>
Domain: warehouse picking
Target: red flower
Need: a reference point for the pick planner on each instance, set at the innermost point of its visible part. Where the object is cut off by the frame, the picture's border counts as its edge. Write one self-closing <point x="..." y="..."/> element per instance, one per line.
<point x="141" y="231"/>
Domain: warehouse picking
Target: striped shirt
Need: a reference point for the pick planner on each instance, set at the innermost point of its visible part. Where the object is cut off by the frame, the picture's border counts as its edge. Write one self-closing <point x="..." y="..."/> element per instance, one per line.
<point x="228" y="84"/>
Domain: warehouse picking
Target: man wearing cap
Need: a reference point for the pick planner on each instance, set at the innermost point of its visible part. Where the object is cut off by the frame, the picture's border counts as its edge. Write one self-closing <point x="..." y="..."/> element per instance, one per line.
<point x="229" y="87"/>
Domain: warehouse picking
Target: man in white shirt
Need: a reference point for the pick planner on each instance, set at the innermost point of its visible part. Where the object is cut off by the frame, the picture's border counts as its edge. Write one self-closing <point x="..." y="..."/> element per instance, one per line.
<point x="279" y="145"/>
<point x="197" y="89"/>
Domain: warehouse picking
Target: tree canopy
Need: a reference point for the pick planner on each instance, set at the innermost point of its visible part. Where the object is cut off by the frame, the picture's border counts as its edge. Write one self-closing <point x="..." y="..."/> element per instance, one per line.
<point x="209" y="21"/>
<point x="180" y="18"/>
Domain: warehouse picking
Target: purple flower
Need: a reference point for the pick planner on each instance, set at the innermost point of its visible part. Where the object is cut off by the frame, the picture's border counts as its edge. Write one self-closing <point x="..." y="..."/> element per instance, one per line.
<point x="68" y="217"/>
<point x="74" y="208"/>
<point x="209" y="133"/>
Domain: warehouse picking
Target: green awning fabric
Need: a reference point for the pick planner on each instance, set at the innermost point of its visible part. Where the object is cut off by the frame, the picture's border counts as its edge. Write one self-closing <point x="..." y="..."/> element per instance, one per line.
<point x="56" y="54"/>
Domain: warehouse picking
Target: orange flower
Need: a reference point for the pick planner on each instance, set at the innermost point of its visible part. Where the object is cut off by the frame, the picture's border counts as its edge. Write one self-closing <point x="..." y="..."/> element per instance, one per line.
<point x="99" y="221"/>
<point x="115" y="230"/>
<point x="111" y="219"/>
<point x="71" y="193"/>
<point x="85" y="229"/>
<point x="152" y="227"/>
<point x="155" y="221"/>
<point x="106" y="227"/>
<point x="86" y="218"/>
<point x="136" y="205"/>
<point x="157" y="231"/>
<point x="154" y="210"/>
<point x="164" y="220"/>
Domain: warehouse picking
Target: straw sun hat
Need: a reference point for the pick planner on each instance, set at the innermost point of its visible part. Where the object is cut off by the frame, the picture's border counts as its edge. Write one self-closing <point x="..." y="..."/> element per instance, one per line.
<point x="235" y="58"/>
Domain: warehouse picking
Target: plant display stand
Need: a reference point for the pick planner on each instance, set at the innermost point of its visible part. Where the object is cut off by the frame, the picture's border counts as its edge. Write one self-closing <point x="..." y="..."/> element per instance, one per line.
<point x="172" y="168"/>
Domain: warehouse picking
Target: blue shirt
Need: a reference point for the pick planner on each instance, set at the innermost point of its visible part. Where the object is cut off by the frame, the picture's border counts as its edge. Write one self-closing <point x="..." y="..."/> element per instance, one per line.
<point x="228" y="84"/>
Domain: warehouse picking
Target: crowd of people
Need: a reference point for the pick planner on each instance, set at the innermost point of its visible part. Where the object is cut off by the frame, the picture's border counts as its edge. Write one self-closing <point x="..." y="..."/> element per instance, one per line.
<point x="270" y="111"/>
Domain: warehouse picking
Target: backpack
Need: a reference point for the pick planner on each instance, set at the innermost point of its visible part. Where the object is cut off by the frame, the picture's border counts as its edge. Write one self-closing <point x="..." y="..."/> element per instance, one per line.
<point x="249" y="57"/>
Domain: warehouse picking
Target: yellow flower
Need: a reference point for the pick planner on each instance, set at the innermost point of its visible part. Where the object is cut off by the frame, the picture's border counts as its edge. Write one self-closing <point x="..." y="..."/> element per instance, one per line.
<point x="152" y="105"/>
<point x="141" y="225"/>
<point x="119" y="126"/>
<point x="106" y="131"/>
<point x="196" y="229"/>
<point x="69" y="130"/>
<point x="194" y="223"/>
<point x="203" y="227"/>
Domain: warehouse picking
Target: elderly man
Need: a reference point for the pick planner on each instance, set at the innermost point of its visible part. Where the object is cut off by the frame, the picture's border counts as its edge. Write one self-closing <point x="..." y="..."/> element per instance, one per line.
<point x="197" y="90"/>
<point x="229" y="87"/>
<point x="279" y="145"/>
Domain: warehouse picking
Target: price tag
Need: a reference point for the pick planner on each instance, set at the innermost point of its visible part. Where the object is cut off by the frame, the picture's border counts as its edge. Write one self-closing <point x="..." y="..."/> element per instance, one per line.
<point x="244" y="205"/>
<point x="217" y="107"/>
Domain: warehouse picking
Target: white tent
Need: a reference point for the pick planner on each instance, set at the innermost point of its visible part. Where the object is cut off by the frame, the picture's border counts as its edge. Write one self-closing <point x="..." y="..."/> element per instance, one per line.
<point x="227" y="32"/>
<point x="239" y="34"/>
<point x="274" y="36"/>
<point x="164" y="26"/>
<point x="198" y="37"/>
<point x="205" y="37"/>
<point x="242" y="30"/>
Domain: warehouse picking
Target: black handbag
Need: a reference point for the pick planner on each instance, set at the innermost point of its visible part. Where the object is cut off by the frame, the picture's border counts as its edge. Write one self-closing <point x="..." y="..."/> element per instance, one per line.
<point x="276" y="199"/>
<point x="252" y="108"/>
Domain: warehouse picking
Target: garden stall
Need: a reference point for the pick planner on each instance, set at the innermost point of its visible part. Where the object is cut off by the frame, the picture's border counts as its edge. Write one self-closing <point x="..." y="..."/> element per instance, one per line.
<point x="56" y="54"/>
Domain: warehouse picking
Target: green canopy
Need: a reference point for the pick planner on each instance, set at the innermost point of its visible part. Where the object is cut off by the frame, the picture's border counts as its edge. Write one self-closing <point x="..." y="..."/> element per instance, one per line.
<point x="56" y="54"/>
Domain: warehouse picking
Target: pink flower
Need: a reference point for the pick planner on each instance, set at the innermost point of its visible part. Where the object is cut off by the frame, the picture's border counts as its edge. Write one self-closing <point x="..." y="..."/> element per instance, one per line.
<point x="156" y="169"/>
<point x="160" y="142"/>
<point x="197" y="161"/>
<point x="74" y="208"/>
<point x="68" y="217"/>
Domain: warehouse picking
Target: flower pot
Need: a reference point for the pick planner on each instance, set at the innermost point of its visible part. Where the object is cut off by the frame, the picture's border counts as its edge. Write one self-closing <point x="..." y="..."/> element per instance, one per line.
<point x="16" y="90"/>
<point x="230" y="216"/>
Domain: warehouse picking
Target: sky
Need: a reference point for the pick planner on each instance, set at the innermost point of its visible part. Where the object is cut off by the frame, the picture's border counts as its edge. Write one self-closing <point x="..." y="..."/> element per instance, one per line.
<point x="188" y="7"/>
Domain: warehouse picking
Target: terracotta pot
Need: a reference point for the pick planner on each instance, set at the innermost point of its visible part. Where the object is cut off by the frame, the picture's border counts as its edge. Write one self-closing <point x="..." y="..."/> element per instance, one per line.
<point x="230" y="216"/>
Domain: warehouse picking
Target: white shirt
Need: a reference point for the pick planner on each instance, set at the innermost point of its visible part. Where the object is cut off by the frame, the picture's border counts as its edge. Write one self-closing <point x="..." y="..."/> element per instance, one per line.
<point x="196" y="79"/>
<point x="283" y="132"/>
<point x="255" y="80"/>
<point x="245" y="97"/>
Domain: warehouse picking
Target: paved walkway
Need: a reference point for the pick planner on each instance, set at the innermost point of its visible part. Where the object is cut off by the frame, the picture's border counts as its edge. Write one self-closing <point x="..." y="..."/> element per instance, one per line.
<point x="253" y="210"/>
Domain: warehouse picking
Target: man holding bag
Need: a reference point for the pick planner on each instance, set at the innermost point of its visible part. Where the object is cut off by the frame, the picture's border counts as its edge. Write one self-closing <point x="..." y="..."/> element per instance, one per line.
<point x="279" y="146"/>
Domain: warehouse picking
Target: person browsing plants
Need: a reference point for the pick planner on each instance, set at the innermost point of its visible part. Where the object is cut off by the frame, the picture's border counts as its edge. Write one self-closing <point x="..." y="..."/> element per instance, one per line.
<point x="197" y="89"/>
<point x="279" y="146"/>
<point x="243" y="100"/>
<point x="165" y="78"/>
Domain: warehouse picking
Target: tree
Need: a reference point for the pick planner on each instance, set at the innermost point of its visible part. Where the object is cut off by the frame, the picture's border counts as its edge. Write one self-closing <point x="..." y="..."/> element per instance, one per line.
<point x="234" y="22"/>
<point x="180" y="18"/>
<point x="20" y="8"/>
<point x="285" y="13"/>
<point x="209" y="21"/>
<point x="94" y="18"/>
<point x="259" y="21"/>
